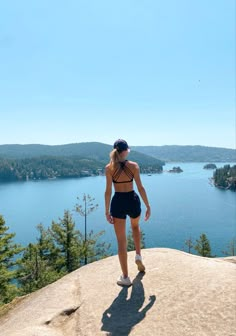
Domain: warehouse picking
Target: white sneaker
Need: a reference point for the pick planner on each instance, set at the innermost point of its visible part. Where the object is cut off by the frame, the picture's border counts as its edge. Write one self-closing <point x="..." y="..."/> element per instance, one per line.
<point x="124" y="281"/>
<point x="139" y="263"/>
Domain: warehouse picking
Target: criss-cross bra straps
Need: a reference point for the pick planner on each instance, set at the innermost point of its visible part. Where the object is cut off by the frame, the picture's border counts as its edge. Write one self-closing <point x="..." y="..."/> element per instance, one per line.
<point x="122" y="168"/>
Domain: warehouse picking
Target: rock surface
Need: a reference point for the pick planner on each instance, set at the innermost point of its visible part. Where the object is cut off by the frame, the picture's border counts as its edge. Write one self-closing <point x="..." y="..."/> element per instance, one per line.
<point x="180" y="294"/>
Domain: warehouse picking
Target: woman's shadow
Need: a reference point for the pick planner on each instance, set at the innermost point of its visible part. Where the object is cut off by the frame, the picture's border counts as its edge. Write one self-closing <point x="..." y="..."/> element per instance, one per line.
<point x="123" y="314"/>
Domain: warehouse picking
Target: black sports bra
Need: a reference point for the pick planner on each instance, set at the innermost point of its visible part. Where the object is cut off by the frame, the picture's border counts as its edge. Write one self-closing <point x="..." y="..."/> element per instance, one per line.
<point x="119" y="170"/>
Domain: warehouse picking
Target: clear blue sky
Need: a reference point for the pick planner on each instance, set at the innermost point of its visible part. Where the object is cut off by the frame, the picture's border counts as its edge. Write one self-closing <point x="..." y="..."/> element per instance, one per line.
<point x="152" y="72"/>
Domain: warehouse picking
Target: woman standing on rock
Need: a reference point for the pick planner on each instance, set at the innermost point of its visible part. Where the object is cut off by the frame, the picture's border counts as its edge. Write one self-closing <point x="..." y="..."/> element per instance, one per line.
<point x="125" y="201"/>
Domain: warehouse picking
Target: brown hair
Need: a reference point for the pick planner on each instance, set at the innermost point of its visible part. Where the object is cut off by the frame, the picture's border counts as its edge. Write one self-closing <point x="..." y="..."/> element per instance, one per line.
<point x="115" y="158"/>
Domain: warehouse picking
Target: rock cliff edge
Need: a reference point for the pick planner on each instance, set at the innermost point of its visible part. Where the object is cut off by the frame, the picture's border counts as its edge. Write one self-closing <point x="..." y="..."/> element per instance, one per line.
<point x="180" y="294"/>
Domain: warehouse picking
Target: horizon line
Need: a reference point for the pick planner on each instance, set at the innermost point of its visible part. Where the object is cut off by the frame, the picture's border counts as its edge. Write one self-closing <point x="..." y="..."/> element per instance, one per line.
<point x="84" y="142"/>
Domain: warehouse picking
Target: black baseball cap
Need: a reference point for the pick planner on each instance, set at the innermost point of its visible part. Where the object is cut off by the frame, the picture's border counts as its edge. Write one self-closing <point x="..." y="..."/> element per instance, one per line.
<point x="121" y="145"/>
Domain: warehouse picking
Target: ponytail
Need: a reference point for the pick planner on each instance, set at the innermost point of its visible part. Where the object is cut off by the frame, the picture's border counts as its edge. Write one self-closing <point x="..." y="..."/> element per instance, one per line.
<point x="115" y="158"/>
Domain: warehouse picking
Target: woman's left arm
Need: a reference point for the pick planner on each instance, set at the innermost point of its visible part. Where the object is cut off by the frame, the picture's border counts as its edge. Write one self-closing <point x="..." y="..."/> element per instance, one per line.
<point x="108" y="196"/>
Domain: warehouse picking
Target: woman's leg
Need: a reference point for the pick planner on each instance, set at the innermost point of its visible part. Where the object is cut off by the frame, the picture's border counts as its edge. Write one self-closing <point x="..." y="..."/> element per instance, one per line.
<point x="119" y="226"/>
<point x="136" y="234"/>
<point x="137" y="243"/>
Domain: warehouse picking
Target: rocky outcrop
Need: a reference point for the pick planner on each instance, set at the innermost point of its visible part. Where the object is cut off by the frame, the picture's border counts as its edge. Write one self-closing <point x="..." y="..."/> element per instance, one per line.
<point x="180" y="294"/>
<point x="210" y="166"/>
<point x="175" y="170"/>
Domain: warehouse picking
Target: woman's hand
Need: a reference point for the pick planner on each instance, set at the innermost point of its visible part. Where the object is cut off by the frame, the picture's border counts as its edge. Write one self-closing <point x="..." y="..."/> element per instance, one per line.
<point x="148" y="213"/>
<point x="109" y="218"/>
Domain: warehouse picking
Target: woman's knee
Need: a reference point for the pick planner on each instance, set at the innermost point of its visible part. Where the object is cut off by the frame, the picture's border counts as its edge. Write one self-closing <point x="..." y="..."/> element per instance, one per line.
<point x="135" y="228"/>
<point x="135" y="222"/>
<point x="122" y="242"/>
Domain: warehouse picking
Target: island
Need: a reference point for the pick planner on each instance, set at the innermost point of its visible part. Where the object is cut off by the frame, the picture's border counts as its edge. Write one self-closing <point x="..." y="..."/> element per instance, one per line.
<point x="175" y="170"/>
<point x="225" y="177"/>
<point x="210" y="166"/>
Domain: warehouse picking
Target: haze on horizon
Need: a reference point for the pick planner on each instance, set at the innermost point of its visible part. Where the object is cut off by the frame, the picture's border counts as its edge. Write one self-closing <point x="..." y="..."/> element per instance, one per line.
<point x="153" y="73"/>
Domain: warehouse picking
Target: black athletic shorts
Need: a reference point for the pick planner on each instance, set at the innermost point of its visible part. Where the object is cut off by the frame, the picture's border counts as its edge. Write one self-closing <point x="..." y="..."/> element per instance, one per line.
<point x="125" y="203"/>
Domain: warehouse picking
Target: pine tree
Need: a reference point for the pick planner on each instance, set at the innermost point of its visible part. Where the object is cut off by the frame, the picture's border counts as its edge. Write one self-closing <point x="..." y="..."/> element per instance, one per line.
<point x="92" y="249"/>
<point x="46" y="246"/>
<point x="66" y="239"/>
<point x="130" y="240"/>
<point x="231" y="251"/>
<point x="34" y="272"/>
<point x="8" y="252"/>
<point x="36" y="268"/>
<point x="203" y="246"/>
<point x="189" y="244"/>
<point x="84" y="210"/>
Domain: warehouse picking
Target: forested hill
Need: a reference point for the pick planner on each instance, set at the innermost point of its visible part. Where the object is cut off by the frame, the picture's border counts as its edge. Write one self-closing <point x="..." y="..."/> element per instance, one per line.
<point x="95" y="150"/>
<point x="189" y="153"/>
<point x="33" y="162"/>
<point x="100" y="152"/>
<point x="92" y="150"/>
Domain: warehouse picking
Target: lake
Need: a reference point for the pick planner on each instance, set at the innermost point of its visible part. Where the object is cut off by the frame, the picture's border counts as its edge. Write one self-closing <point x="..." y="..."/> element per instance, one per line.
<point x="183" y="205"/>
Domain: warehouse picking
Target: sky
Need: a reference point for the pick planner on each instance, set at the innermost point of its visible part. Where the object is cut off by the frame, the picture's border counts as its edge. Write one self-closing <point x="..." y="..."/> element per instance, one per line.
<point x="151" y="72"/>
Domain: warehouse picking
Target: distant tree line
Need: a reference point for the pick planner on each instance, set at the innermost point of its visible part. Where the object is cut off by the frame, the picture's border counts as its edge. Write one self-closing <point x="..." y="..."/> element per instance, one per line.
<point x="47" y="167"/>
<point x="50" y="167"/>
<point x="225" y="177"/>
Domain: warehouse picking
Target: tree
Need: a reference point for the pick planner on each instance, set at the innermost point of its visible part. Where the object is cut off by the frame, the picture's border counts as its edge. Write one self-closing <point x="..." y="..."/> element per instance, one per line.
<point x="225" y="177"/>
<point x="37" y="267"/>
<point x="46" y="245"/>
<point x="203" y="246"/>
<point x="84" y="210"/>
<point x="130" y="240"/>
<point x="67" y="241"/>
<point x="189" y="244"/>
<point x="8" y="250"/>
<point x="231" y="248"/>
<point x="58" y="251"/>
<point x="92" y="249"/>
<point x="34" y="270"/>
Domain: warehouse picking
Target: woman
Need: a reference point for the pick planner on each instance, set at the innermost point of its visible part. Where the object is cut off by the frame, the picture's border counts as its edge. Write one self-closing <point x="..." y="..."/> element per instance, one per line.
<point x="121" y="173"/>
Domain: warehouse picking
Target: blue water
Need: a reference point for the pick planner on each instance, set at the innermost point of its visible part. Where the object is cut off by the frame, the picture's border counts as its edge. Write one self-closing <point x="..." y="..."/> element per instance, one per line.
<point x="183" y="205"/>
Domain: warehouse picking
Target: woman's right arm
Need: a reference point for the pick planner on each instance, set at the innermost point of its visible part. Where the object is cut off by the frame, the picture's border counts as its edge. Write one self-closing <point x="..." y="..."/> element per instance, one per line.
<point x="108" y="195"/>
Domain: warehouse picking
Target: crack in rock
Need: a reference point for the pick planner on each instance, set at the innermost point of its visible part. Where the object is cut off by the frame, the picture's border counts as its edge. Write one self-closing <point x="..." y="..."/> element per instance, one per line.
<point x="67" y="312"/>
